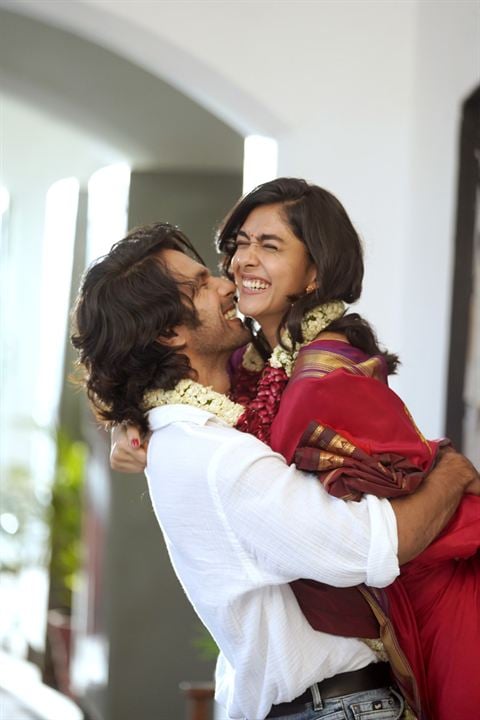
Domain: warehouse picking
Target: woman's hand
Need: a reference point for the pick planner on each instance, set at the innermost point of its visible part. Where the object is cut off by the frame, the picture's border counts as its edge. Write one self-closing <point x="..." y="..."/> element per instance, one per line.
<point x="128" y="453"/>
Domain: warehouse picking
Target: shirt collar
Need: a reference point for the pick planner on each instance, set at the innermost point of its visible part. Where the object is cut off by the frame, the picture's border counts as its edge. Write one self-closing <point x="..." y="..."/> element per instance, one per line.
<point x="166" y="414"/>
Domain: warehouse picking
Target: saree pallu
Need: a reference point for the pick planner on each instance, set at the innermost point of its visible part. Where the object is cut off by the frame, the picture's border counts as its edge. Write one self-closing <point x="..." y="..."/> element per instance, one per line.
<point x="339" y="419"/>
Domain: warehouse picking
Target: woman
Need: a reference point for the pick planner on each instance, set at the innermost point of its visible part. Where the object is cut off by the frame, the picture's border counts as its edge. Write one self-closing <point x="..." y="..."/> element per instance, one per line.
<point x="292" y="248"/>
<point x="296" y="259"/>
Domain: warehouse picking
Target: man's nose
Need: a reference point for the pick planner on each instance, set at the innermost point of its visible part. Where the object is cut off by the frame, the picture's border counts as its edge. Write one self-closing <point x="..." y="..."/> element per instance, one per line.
<point x="226" y="287"/>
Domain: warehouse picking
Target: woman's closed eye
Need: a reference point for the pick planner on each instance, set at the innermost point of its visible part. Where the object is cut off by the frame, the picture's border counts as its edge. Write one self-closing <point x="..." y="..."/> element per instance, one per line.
<point x="271" y="247"/>
<point x="244" y="244"/>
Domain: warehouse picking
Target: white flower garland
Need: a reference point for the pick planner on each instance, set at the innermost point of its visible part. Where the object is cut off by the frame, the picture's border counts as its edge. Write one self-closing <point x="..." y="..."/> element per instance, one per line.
<point x="252" y="359"/>
<point x="314" y="322"/>
<point x="189" y="392"/>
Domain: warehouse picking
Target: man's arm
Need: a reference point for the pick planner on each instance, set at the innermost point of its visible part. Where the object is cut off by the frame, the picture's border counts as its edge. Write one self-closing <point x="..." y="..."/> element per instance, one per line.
<point x="423" y="515"/>
<point x="420" y="517"/>
<point x="290" y="521"/>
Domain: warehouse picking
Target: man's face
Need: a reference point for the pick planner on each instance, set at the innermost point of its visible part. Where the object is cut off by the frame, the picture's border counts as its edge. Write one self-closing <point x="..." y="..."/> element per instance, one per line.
<point x="220" y="330"/>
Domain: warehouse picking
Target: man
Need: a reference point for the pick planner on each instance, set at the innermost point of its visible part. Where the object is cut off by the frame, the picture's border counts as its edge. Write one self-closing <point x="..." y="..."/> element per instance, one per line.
<point x="154" y="331"/>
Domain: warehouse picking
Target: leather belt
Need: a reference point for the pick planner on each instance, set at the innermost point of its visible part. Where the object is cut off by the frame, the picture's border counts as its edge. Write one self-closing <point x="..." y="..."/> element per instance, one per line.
<point x="376" y="675"/>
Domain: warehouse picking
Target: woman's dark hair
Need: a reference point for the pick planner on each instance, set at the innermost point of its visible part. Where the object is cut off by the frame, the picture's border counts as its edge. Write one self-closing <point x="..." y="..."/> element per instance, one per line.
<point x="127" y="301"/>
<point x="320" y="221"/>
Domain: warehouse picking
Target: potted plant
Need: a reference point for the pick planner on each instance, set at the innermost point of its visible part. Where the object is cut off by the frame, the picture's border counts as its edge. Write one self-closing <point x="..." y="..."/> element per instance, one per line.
<point x="66" y="555"/>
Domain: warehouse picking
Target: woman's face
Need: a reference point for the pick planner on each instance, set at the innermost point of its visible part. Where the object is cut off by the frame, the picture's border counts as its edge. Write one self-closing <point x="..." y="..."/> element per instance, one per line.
<point x="270" y="264"/>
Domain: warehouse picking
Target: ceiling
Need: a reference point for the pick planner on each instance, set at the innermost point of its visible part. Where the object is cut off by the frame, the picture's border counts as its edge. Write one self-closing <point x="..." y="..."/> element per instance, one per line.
<point x="61" y="93"/>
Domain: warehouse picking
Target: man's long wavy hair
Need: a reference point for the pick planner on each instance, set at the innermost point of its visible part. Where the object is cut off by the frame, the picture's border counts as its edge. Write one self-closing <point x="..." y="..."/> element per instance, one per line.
<point x="320" y="221"/>
<point x="128" y="302"/>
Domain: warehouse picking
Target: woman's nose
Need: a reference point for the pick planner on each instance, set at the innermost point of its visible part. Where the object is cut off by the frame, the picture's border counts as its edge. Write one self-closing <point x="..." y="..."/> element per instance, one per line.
<point x="245" y="256"/>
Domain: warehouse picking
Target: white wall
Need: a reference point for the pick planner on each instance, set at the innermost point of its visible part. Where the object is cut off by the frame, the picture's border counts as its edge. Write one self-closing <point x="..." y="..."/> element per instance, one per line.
<point x="447" y="69"/>
<point x="364" y="97"/>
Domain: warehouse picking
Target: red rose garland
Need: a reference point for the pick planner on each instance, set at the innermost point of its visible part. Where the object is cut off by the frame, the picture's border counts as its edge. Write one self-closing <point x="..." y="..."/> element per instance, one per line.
<point x="261" y="393"/>
<point x="244" y="385"/>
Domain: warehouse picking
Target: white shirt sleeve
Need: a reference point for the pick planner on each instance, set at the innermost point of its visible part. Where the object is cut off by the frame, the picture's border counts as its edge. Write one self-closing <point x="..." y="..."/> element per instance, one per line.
<point x="289" y="527"/>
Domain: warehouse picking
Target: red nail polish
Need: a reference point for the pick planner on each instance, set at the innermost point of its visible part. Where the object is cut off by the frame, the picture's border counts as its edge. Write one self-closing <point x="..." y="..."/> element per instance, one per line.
<point x="135" y="443"/>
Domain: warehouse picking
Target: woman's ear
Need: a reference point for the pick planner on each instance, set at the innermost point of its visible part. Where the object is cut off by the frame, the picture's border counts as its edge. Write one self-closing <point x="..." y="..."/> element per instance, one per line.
<point x="312" y="284"/>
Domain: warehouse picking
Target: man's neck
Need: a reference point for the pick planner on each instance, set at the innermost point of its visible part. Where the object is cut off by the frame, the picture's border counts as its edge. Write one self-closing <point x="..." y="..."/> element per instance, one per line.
<point x="219" y="381"/>
<point x="212" y="372"/>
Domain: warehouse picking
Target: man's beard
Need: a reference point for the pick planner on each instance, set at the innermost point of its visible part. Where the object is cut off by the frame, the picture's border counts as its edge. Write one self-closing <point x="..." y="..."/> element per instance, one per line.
<point x="211" y="338"/>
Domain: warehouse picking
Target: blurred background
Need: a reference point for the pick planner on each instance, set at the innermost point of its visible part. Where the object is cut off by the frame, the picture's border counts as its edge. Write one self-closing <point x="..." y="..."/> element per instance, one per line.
<point x="118" y="114"/>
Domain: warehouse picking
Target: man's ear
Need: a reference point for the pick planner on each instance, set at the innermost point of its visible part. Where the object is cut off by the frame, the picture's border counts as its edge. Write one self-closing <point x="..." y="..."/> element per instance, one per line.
<point x="178" y="339"/>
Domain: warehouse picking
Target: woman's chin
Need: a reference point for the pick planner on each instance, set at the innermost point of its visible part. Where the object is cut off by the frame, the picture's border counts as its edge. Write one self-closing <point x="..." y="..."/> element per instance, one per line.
<point x="252" y="312"/>
<point x="249" y="308"/>
<point x="255" y="304"/>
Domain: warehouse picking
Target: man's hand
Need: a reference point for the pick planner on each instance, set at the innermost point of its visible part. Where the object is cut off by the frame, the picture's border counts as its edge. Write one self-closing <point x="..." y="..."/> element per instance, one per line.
<point x="461" y="468"/>
<point x="473" y="488"/>
<point x="423" y="515"/>
<point x="128" y="453"/>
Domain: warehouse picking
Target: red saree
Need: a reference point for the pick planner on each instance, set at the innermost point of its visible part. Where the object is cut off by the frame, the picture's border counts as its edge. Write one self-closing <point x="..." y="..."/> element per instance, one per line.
<point x="338" y="418"/>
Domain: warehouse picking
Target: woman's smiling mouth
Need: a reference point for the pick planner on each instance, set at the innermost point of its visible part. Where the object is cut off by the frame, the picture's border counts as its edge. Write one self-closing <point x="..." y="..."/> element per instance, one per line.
<point x="253" y="284"/>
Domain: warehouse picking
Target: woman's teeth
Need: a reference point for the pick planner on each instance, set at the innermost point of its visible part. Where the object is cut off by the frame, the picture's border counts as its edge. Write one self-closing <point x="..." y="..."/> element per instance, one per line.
<point x="254" y="284"/>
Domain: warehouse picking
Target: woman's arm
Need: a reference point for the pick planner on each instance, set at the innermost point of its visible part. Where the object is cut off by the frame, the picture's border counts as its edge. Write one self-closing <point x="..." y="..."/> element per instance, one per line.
<point x="128" y="453"/>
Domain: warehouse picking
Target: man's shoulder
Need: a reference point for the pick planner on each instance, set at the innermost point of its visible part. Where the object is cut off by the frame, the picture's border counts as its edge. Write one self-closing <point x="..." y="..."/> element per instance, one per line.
<point x="166" y="415"/>
<point x="186" y="439"/>
<point x="188" y="422"/>
<point x="199" y="435"/>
